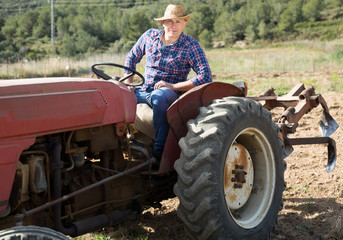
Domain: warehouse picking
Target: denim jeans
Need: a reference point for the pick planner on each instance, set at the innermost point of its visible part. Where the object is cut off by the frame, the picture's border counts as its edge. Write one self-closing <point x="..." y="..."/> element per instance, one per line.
<point x="159" y="100"/>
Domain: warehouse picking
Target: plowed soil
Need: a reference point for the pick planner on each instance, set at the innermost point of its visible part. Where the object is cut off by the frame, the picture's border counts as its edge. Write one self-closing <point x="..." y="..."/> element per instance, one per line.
<point x="313" y="199"/>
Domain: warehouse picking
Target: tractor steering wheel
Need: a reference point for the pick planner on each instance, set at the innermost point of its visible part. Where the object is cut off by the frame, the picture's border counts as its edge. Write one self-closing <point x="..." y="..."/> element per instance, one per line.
<point x="103" y="75"/>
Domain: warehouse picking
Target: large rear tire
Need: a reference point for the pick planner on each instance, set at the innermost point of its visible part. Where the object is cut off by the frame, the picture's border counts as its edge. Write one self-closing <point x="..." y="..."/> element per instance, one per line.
<point x="31" y="233"/>
<point x="230" y="172"/>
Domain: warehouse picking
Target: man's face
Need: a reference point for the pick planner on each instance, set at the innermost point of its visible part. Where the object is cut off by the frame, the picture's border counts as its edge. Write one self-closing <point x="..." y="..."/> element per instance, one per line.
<point x="174" y="27"/>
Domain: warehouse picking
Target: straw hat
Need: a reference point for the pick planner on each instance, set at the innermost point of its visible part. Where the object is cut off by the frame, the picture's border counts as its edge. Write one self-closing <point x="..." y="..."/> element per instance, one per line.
<point x="174" y="11"/>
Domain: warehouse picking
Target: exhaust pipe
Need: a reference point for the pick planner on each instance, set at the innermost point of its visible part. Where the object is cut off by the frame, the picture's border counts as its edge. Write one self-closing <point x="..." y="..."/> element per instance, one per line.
<point x="57" y="165"/>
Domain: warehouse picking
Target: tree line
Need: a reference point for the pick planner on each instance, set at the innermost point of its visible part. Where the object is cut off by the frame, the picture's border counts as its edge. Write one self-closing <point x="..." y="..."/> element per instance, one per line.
<point x="87" y="27"/>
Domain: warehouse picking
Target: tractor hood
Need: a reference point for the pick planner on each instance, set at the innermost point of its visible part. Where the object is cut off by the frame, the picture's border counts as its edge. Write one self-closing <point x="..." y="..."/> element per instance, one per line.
<point x="33" y="107"/>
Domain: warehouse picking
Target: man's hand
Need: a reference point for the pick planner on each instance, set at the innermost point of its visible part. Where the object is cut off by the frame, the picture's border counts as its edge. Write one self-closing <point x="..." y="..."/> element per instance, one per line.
<point x="129" y="81"/>
<point x="164" y="84"/>
<point x="181" y="86"/>
<point x="131" y="88"/>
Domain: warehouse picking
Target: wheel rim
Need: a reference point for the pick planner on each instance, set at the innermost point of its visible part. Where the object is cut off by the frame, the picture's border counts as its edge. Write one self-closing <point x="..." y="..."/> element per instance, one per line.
<point x="249" y="177"/>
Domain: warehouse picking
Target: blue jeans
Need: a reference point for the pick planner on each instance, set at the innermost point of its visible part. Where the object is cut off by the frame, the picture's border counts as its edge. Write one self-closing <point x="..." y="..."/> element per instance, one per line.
<point x="159" y="100"/>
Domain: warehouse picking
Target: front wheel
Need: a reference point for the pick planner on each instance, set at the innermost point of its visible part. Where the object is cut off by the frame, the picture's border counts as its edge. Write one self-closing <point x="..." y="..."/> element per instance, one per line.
<point x="230" y="172"/>
<point x="32" y="233"/>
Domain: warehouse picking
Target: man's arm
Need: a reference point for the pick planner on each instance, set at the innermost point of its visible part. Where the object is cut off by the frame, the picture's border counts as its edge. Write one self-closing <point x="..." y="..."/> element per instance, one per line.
<point x="134" y="56"/>
<point x="198" y="61"/>
<point x="178" y="87"/>
<point x="130" y="80"/>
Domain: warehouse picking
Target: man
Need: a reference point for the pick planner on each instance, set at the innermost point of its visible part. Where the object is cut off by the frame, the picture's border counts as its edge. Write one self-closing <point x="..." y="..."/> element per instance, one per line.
<point x="170" y="55"/>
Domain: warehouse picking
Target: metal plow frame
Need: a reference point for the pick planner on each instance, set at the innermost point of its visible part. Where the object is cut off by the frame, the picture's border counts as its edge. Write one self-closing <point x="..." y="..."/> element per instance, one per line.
<point x="297" y="103"/>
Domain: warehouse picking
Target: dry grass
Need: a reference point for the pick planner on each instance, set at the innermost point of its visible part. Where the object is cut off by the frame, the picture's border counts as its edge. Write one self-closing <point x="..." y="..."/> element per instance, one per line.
<point x="261" y="67"/>
<point x="56" y="66"/>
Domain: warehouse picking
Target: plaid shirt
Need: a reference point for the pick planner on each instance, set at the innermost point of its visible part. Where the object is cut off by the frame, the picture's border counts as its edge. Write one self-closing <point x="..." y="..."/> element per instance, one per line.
<point x="171" y="64"/>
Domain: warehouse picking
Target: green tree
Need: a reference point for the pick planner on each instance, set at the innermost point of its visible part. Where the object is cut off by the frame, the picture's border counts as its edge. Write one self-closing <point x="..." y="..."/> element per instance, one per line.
<point x="264" y="31"/>
<point x="110" y="30"/>
<point x="62" y="26"/>
<point x="87" y="43"/>
<point x="87" y="23"/>
<point x="263" y="12"/>
<point x="10" y="27"/>
<point x="241" y="22"/>
<point x="138" y="23"/>
<point x="26" y="24"/>
<point x="228" y="29"/>
<point x="205" y="39"/>
<point x="250" y="34"/>
<point x="287" y="21"/>
<point x="335" y="3"/>
<point x="296" y="6"/>
<point x="235" y="5"/>
<point x="311" y="10"/>
<point x="68" y="46"/>
<point x="292" y="14"/>
<point x="43" y="26"/>
<point x="2" y="23"/>
<point x="278" y="8"/>
<point x="202" y="19"/>
<point x="220" y="26"/>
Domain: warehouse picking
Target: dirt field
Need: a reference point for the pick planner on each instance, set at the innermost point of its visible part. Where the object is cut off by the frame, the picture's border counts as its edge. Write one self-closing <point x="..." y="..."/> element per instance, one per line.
<point x="313" y="199"/>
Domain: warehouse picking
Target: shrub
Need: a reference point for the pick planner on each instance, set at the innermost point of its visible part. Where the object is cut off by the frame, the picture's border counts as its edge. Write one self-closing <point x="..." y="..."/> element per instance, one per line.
<point x="205" y="39"/>
<point x="338" y="54"/>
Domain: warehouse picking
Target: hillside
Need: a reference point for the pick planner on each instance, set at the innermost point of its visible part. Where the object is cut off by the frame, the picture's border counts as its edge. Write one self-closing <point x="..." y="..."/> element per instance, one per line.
<point x="41" y="28"/>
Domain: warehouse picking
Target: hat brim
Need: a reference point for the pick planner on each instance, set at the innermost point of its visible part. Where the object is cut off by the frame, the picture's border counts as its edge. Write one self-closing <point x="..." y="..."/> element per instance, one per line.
<point x="160" y="20"/>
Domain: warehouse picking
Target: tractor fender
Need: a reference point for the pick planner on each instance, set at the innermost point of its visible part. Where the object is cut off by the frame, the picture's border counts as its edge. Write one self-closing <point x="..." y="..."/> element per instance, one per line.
<point x="187" y="107"/>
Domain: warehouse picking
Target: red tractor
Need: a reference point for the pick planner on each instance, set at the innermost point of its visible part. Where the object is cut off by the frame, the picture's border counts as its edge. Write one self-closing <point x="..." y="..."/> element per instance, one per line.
<point x="75" y="155"/>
